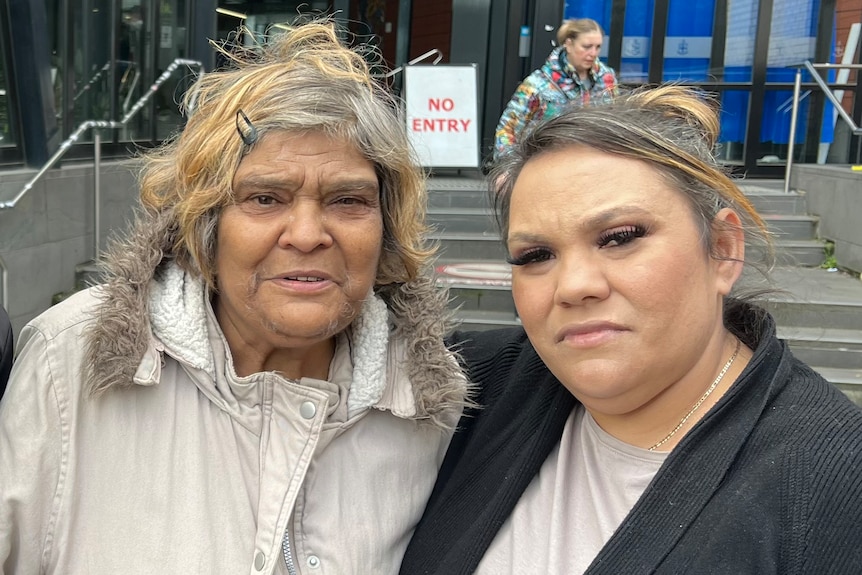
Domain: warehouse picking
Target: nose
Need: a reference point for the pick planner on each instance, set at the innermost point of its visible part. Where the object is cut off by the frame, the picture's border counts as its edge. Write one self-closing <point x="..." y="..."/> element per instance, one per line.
<point x="305" y="227"/>
<point x="579" y="281"/>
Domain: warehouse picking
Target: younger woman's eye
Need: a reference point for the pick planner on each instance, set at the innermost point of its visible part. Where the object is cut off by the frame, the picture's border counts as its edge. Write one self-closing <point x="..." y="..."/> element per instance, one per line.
<point x="620" y="236"/>
<point x="530" y="256"/>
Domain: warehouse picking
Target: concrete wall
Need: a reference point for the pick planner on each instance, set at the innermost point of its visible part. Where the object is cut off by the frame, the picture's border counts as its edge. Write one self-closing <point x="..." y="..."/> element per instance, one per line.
<point x="834" y="192"/>
<point x="50" y="230"/>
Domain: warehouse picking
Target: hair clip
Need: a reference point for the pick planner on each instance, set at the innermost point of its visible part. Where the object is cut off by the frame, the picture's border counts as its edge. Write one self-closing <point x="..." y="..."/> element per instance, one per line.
<point x="248" y="138"/>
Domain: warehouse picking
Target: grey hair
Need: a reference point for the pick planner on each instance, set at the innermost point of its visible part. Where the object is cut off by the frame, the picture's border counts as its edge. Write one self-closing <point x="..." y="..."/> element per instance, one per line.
<point x="302" y="80"/>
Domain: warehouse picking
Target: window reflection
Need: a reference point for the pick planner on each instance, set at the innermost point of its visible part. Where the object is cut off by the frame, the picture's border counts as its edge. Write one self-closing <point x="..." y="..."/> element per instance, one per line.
<point x="734" y="119"/>
<point x="105" y="56"/>
<point x="6" y="124"/>
<point x="688" y="44"/>
<point x="636" y="43"/>
<point x="739" y="47"/>
<point x="171" y="45"/>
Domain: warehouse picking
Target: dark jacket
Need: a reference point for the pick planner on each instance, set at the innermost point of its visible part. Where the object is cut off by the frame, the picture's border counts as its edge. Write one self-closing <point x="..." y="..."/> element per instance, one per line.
<point x="6" y="349"/>
<point x="769" y="481"/>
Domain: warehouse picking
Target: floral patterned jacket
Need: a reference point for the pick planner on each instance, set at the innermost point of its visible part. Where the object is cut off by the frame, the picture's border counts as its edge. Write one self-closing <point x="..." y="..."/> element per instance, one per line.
<point x="545" y="92"/>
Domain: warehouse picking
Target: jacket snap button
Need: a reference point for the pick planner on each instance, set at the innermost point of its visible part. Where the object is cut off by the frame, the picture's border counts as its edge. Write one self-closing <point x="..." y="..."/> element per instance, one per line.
<point x="259" y="560"/>
<point x="313" y="561"/>
<point x="307" y="410"/>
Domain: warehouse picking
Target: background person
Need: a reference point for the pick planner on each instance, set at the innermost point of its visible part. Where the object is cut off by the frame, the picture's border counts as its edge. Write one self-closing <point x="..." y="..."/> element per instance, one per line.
<point x="261" y="384"/>
<point x="572" y="72"/>
<point x="645" y="419"/>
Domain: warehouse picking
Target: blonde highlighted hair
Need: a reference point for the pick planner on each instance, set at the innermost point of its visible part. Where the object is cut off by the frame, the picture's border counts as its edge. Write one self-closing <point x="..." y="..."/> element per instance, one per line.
<point x="305" y="79"/>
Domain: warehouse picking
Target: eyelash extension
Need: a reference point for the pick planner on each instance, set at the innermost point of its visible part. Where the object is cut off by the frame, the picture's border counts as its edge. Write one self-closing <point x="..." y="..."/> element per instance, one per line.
<point x="622" y="235"/>
<point x="530" y="256"/>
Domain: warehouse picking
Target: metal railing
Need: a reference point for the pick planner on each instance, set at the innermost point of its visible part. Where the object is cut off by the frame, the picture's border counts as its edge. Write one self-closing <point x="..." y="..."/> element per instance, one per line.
<point x="416" y="60"/>
<point x="824" y="87"/>
<point x="97" y="158"/>
<point x="100" y="124"/>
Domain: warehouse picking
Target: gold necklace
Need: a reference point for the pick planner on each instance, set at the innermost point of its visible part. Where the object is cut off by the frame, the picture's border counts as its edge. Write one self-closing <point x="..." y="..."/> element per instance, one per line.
<point x="702" y="398"/>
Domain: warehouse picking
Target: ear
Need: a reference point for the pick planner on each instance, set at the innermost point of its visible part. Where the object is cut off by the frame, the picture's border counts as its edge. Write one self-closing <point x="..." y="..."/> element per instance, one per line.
<point x="728" y="249"/>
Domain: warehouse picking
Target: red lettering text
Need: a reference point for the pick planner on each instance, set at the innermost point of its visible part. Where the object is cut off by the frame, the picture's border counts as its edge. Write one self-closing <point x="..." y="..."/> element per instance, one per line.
<point x="436" y="104"/>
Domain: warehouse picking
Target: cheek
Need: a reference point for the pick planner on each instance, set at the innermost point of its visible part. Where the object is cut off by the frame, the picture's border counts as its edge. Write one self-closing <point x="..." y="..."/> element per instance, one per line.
<point x="532" y="298"/>
<point x="364" y="248"/>
<point x="662" y="287"/>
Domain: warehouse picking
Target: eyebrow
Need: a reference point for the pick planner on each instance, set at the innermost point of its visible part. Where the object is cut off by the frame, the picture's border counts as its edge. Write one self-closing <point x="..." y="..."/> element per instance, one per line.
<point x="281" y="183"/>
<point x="597" y="220"/>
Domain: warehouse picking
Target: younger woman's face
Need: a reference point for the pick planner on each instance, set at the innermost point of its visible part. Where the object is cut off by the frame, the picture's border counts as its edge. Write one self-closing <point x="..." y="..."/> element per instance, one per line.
<point x="611" y="277"/>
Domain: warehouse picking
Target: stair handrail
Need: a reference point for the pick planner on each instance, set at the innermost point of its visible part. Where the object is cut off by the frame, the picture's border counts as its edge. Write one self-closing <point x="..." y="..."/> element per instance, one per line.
<point x="432" y="52"/>
<point x="102" y="124"/>
<point x="794" y="112"/>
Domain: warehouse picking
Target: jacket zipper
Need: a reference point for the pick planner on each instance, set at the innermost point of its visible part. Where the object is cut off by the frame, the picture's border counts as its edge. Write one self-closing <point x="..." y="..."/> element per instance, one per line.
<point x="288" y="556"/>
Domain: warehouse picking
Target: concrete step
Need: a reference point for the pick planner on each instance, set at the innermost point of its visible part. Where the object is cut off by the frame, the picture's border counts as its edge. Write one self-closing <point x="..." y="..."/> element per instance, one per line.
<point x="462" y="220"/>
<point x="792" y="226"/>
<point x="836" y="348"/>
<point x="815" y="298"/>
<point x="466" y="246"/>
<point x="849" y="381"/>
<point x="804" y="253"/>
<point x="87" y="274"/>
<point x="449" y="192"/>
<point x="768" y="202"/>
<point x="484" y="320"/>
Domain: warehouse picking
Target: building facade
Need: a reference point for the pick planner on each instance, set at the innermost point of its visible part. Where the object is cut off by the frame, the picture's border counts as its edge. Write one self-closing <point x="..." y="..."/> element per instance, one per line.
<point x="67" y="62"/>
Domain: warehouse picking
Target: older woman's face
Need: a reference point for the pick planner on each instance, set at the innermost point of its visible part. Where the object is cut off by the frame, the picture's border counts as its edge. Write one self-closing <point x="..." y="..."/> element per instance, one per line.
<point x="298" y="252"/>
<point x="583" y="51"/>
<point x="612" y="280"/>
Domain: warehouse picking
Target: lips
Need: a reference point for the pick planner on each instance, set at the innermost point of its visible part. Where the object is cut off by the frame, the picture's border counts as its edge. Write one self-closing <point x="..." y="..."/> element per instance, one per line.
<point x="306" y="275"/>
<point x="588" y="331"/>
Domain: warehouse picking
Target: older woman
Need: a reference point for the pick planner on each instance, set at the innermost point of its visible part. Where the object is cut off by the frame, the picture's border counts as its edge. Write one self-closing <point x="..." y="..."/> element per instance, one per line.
<point x="261" y="384"/>
<point x="645" y="419"/>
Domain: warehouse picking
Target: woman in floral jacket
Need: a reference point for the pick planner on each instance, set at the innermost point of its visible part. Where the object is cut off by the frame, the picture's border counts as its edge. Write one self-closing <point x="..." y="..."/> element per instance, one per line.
<point x="572" y="72"/>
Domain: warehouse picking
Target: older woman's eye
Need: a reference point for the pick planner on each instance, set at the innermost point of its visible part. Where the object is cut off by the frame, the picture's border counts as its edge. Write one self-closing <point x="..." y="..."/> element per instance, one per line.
<point x="263" y="200"/>
<point x="620" y="236"/>
<point x="530" y="256"/>
<point x="350" y="200"/>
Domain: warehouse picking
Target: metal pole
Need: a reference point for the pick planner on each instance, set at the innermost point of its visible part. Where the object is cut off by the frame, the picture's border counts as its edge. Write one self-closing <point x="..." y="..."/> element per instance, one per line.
<point x="797" y="85"/>
<point x="4" y="283"/>
<point x="97" y="200"/>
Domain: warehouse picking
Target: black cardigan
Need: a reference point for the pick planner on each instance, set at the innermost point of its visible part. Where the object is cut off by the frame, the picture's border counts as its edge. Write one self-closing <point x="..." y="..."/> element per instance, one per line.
<point x="769" y="481"/>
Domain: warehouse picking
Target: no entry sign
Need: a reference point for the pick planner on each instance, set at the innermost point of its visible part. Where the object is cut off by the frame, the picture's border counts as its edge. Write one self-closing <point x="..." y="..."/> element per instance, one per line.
<point x="442" y="114"/>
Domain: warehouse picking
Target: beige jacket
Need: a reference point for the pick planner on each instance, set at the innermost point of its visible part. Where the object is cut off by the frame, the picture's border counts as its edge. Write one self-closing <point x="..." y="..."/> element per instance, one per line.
<point x="180" y="466"/>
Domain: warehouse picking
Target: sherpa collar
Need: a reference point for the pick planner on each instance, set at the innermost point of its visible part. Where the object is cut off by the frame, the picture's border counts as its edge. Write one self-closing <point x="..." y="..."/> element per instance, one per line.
<point x="120" y="342"/>
<point x="178" y="309"/>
